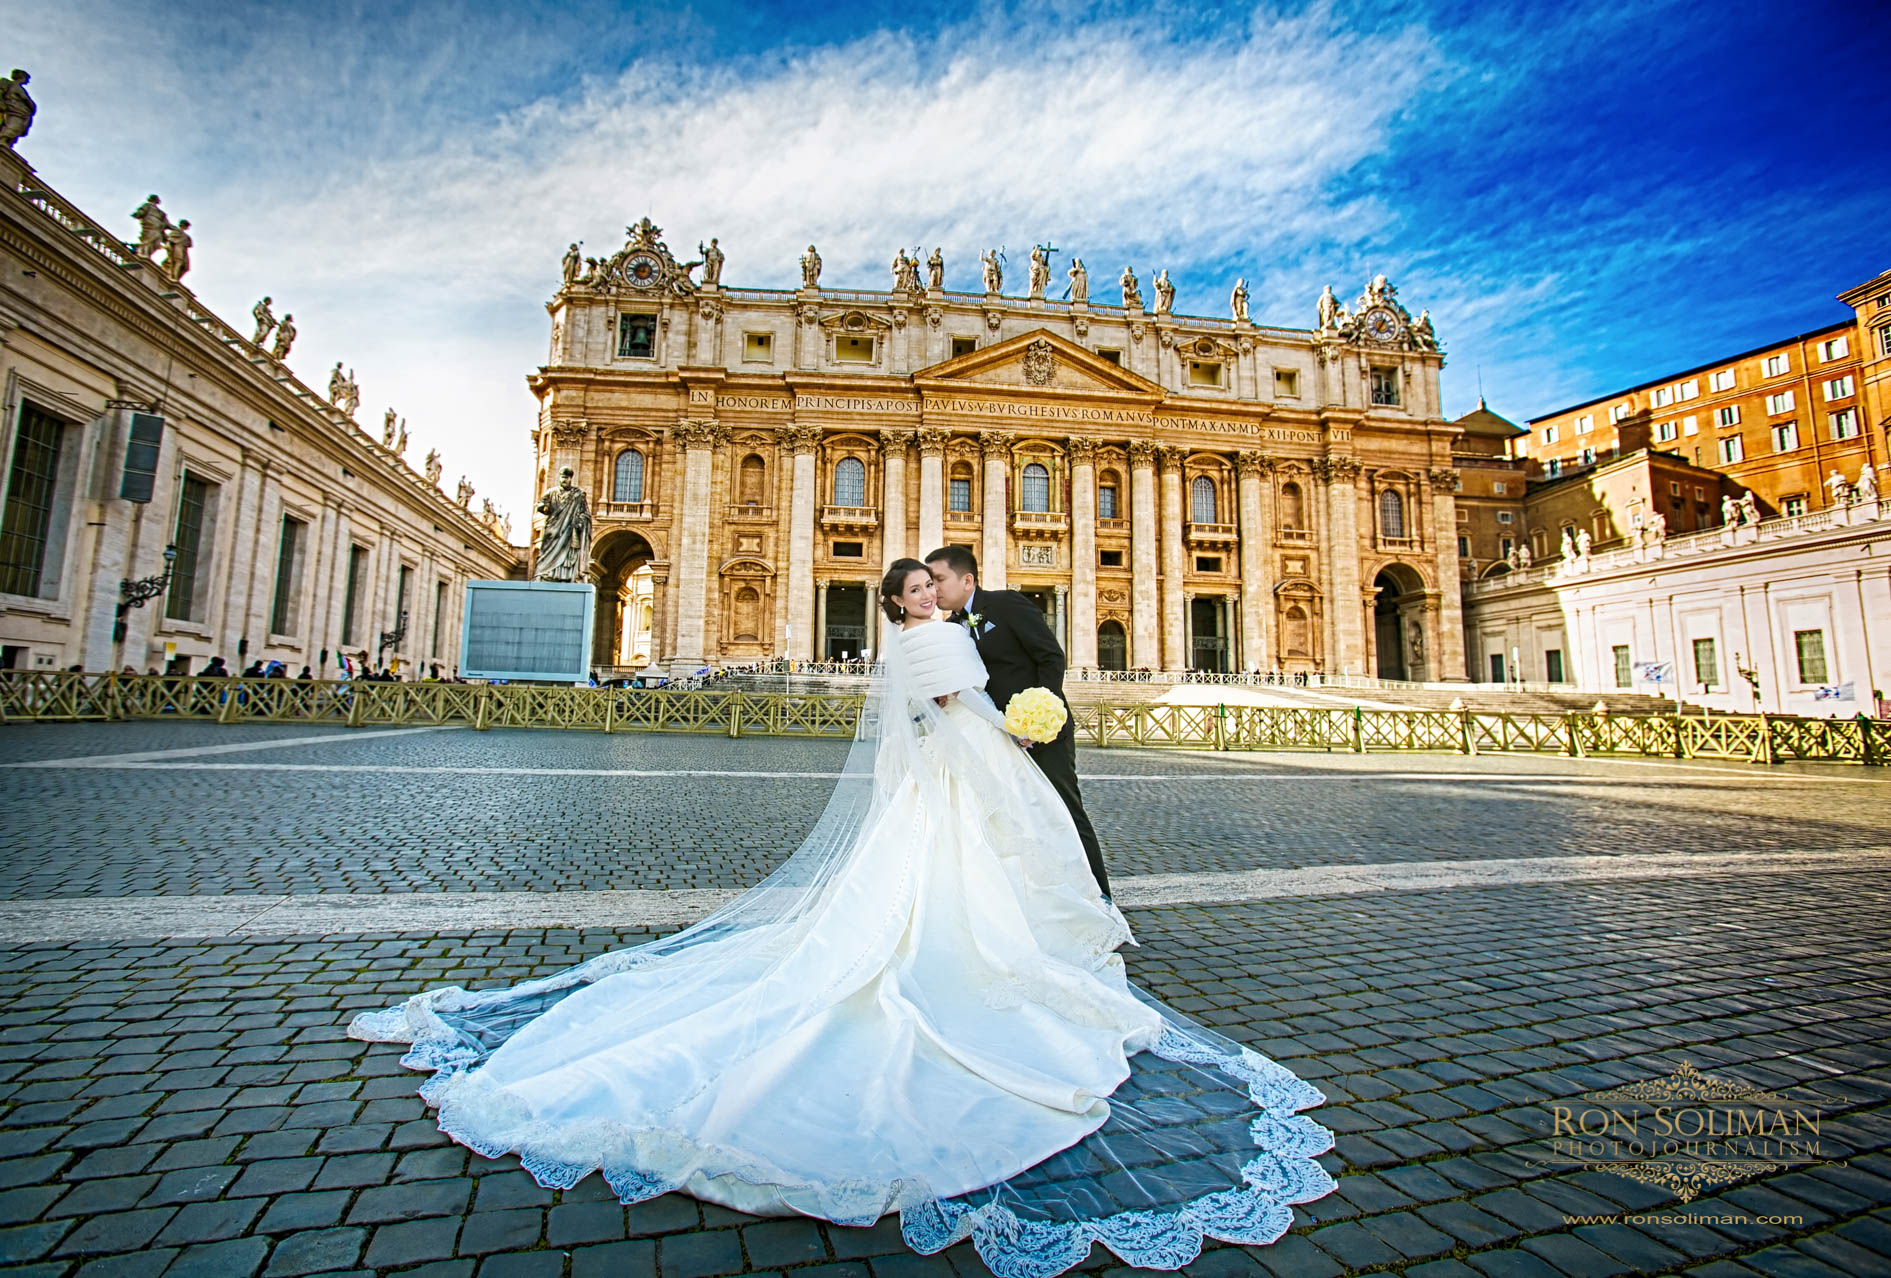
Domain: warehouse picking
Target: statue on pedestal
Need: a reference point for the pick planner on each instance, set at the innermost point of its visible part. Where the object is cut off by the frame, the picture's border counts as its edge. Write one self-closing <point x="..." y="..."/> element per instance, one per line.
<point x="177" y="244"/>
<point x="1749" y="509"/>
<point x="387" y="429"/>
<point x="1867" y="483"/>
<point x="1729" y="512"/>
<point x="1569" y="545"/>
<point x="1838" y="489"/>
<point x="1583" y="544"/>
<point x="16" y="108"/>
<point x="1132" y="292"/>
<point x="464" y="494"/>
<point x="1079" y="281"/>
<point x="1422" y="333"/>
<point x="564" y="545"/>
<point x="433" y="467"/>
<point x="400" y="439"/>
<point x="712" y="262"/>
<point x="1329" y="311"/>
<point x="285" y="337"/>
<point x="1238" y="302"/>
<point x="994" y="271"/>
<point x="935" y="270"/>
<point x="265" y="322"/>
<point x="1040" y="277"/>
<point x="810" y="268"/>
<point x="571" y="265"/>
<point x="152" y="224"/>
<point x="1523" y="554"/>
<point x="1165" y="293"/>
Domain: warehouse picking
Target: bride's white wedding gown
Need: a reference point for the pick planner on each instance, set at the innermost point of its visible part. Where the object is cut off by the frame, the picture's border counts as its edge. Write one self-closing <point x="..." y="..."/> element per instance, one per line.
<point x="923" y="1010"/>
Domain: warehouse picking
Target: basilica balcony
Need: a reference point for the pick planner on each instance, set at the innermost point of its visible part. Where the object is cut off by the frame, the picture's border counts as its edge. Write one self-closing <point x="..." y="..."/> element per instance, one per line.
<point x="1113" y="525"/>
<point x="751" y="512"/>
<point x="850" y="518"/>
<point x="1039" y="523"/>
<point x="626" y="510"/>
<point x="1211" y="534"/>
<point x="1398" y="543"/>
<point x="962" y="517"/>
<point x="1294" y="536"/>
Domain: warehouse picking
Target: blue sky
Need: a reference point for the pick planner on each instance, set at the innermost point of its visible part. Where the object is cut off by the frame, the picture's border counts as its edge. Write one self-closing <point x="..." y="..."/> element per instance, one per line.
<point x="1583" y="198"/>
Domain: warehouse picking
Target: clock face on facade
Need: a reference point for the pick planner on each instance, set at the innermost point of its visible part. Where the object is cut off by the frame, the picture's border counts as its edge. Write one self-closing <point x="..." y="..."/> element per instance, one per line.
<point x="1381" y="325"/>
<point x="643" y="270"/>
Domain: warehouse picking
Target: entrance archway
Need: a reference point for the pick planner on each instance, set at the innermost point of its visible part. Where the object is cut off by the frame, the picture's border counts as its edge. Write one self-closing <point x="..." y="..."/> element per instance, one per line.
<point x="615" y="560"/>
<point x="1112" y="646"/>
<point x="846" y="622"/>
<point x="1398" y="624"/>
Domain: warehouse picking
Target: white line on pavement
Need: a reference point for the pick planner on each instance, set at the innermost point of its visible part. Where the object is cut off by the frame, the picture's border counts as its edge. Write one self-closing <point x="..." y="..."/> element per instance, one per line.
<point x="130" y="918"/>
<point x="145" y="757"/>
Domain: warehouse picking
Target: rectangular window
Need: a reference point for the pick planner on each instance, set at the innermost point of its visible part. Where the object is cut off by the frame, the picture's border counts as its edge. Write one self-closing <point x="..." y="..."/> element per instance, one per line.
<point x="1691" y="388"/>
<point x="757" y="348"/>
<point x="849" y="549"/>
<point x="1549" y="434"/>
<point x="1732" y="450"/>
<point x="1665" y="431"/>
<point x="1728" y="416"/>
<point x="181" y="600"/>
<point x="1837" y="348"/>
<point x="1106" y="501"/>
<point x="1617" y="413"/>
<point x="1588" y="456"/>
<point x="1496" y="667"/>
<point x="1385" y="387"/>
<point x="1690" y="425"/>
<point x="1554" y="468"/>
<point x="142" y="448"/>
<point x="1699" y="495"/>
<point x="1464" y="547"/>
<point x="1500" y="487"/>
<point x="1624" y="676"/>
<point x="1674" y="489"/>
<point x="1884" y="338"/>
<point x="966" y="345"/>
<point x="636" y="336"/>
<point x="1706" y="663"/>
<point x="1794" y="505"/>
<point x="1845" y="424"/>
<point x="27" y="521"/>
<point x="1838" y="388"/>
<point x="1663" y="396"/>
<point x="1776" y="365"/>
<point x="853" y="350"/>
<point x="1809" y="645"/>
<point x="1208" y="563"/>
<point x="1721" y="381"/>
<point x="288" y="564"/>
<point x="351" y="601"/>
<point x="1780" y="403"/>
<point x="1553" y="664"/>
<point x="1785" y="437"/>
<point x="1504" y="517"/>
<point x="1110" y="558"/>
<point x="439" y="618"/>
<point x="959" y="495"/>
<point x="1287" y="381"/>
<point x="1585" y="423"/>
<point x="1109" y="353"/>
<point x="1204" y="372"/>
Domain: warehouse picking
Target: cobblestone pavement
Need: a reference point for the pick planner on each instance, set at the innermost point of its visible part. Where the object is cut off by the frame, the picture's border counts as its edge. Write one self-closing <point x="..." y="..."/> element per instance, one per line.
<point x="193" y="1107"/>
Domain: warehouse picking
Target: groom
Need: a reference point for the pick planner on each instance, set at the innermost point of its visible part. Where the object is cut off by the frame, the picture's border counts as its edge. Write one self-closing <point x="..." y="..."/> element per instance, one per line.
<point x="1019" y="652"/>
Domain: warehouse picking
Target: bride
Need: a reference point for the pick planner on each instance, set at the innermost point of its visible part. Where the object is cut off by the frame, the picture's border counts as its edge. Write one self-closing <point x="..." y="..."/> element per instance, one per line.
<point x="922" y="1010"/>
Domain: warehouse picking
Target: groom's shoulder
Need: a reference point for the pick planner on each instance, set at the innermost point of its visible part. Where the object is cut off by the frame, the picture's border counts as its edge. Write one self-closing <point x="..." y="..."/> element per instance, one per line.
<point x="1004" y="598"/>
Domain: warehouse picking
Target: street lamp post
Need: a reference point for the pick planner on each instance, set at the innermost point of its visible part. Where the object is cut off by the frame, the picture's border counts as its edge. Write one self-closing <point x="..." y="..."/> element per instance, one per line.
<point x="134" y="594"/>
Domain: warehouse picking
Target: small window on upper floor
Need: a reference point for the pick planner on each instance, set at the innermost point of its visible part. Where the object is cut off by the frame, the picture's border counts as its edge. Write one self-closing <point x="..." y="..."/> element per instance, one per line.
<point x="1663" y="396"/>
<point x="853" y="350"/>
<point x="1110" y="558"/>
<point x="1500" y="487"/>
<point x="1112" y="355"/>
<point x="636" y="336"/>
<point x="758" y="348"/>
<point x="1617" y="413"/>
<point x="1776" y="365"/>
<point x="963" y="346"/>
<point x="1550" y="433"/>
<point x="1837" y="348"/>
<point x="1585" y="423"/>
<point x="1287" y="382"/>
<point x="1794" y="505"/>
<point x="1204" y="372"/>
<point x="1721" y="381"/>
<point x="1385" y="387"/>
<point x="1690" y="389"/>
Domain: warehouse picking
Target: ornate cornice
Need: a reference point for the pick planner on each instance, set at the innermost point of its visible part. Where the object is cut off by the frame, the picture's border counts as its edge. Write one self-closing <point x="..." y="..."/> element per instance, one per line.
<point x="568" y="433"/>
<point x="699" y="433"/>
<point x="996" y="443"/>
<point x="932" y="440"/>
<point x="1081" y="451"/>
<point x="1249" y="462"/>
<point x="895" y="441"/>
<point x="798" y="440"/>
<point x="1173" y="456"/>
<point x="1142" y="452"/>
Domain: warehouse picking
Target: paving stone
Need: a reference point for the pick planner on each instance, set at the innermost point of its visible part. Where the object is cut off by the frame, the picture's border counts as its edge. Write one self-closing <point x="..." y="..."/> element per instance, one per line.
<point x="496" y="1193"/>
<point x="535" y="1264"/>
<point x="412" y="1241"/>
<point x="489" y="1231"/>
<point x="30" y="1242"/>
<point x="195" y="1153"/>
<point x="783" y="1243"/>
<point x="22" y="1206"/>
<point x="115" y="1232"/>
<point x="354" y="1171"/>
<point x="211" y="1222"/>
<point x="574" y="1223"/>
<point x="1574" y="1256"/>
<point x="276" y="1176"/>
<point x="1467" y="1223"/>
<point x="315" y="1251"/>
<point x="232" y="1258"/>
<point x="305" y="1211"/>
<point x="619" y="1260"/>
<point x="191" y="1185"/>
<point x="411" y="1201"/>
<point x="138" y="1264"/>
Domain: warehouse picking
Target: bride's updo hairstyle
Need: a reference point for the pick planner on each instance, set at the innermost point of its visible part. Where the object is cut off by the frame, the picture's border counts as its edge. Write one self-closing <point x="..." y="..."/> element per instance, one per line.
<point x="894" y="584"/>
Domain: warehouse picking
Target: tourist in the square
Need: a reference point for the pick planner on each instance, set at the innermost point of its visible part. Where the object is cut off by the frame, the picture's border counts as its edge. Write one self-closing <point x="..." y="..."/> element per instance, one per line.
<point x="215" y="668"/>
<point x="922" y="1011"/>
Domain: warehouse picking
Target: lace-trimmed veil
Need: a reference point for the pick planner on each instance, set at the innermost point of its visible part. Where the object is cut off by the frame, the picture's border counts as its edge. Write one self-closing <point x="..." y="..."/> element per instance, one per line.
<point x="1205" y="1137"/>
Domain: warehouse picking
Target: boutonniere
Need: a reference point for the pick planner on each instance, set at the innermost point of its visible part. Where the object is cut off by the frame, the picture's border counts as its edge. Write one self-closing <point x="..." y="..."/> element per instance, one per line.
<point x="972" y="621"/>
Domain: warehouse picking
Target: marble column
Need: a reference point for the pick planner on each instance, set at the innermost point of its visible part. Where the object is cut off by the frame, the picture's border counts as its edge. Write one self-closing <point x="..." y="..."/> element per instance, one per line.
<point x="1187" y="646"/>
<point x="1257" y="547"/>
<point x="691" y="568"/>
<point x="1349" y="655"/>
<point x="661" y="611"/>
<point x="1083" y="552"/>
<point x="996" y="446"/>
<point x="1060" y="619"/>
<point x="820" y="621"/>
<point x="893" y="446"/>
<point x="1175" y="655"/>
<point x="800" y="443"/>
<point x="1144" y="636"/>
<point x="932" y="445"/>
<point x="1448" y="643"/>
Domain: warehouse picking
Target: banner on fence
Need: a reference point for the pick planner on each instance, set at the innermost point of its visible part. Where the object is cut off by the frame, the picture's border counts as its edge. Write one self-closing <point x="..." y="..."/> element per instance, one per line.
<point x="1654" y="671"/>
<point x="1837" y="692"/>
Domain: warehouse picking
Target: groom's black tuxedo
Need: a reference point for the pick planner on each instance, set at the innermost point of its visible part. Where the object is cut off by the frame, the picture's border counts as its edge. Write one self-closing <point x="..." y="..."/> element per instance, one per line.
<point x="1020" y="652"/>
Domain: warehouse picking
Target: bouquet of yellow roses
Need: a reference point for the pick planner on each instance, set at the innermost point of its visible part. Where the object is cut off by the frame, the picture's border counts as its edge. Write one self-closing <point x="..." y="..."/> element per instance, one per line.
<point x="1036" y="714"/>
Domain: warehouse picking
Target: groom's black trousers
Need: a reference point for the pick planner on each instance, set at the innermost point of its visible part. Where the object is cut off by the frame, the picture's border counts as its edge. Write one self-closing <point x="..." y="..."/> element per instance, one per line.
<point x="1057" y="760"/>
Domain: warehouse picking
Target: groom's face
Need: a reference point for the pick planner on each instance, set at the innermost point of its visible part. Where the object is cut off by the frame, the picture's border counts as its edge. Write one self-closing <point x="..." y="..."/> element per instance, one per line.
<point x="954" y="589"/>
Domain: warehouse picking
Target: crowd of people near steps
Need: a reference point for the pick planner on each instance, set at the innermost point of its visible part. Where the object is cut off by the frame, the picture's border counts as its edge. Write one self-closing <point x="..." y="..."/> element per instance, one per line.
<point x="215" y="668"/>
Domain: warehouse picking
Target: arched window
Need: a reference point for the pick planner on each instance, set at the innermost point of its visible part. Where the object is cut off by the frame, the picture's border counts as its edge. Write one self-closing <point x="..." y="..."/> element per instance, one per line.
<point x="1037" y="488"/>
<point x="1292" y="510"/>
<point x="1112" y="646"/>
<point x="959" y="489"/>
<point x="1202" y="499"/>
<point x="850" y="482"/>
<point x="1391" y="514"/>
<point x="748" y="615"/>
<point x="1109" y="504"/>
<point x="750" y="482"/>
<point x="628" y="483"/>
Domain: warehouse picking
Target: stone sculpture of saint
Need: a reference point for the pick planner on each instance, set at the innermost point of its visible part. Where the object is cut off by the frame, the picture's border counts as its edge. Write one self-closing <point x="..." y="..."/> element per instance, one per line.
<point x="1165" y="293"/>
<point x="1329" y="310"/>
<point x="935" y="270"/>
<point x="400" y="439"/>
<point x="810" y="268"/>
<point x="285" y="337"/>
<point x="1422" y="332"/>
<point x="1079" y="281"/>
<point x="1583" y="542"/>
<point x="337" y="384"/>
<point x="1523" y="555"/>
<point x="1838" y="489"/>
<point x="1657" y="528"/>
<point x="1867" y="483"/>
<point x="1040" y="271"/>
<point x="899" y="271"/>
<point x="1132" y="291"/>
<point x="1238" y="302"/>
<point x="712" y="262"/>
<point x="994" y="271"/>
<point x="387" y="429"/>
<point x="1749" y="509"/>
<point x="1729" y="513"/>
<point x="152" y="223"/>
<point x="265" y="321"/>
<point x="1569" y="545"/>
<point x="564" y="546"/>
<point x="464" y="493"/>
<point x="177" y="244"/>
<point x="16" y="108"/>
<point x="433" y="467"/>
<point x="571" y="265"/>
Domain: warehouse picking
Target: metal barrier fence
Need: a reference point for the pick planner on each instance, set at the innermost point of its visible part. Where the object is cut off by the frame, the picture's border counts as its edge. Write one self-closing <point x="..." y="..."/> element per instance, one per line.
<point x="66" y="696"/>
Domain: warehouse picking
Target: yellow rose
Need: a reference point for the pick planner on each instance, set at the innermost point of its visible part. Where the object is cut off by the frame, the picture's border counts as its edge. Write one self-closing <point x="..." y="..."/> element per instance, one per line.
<point x="1036" y="714"/>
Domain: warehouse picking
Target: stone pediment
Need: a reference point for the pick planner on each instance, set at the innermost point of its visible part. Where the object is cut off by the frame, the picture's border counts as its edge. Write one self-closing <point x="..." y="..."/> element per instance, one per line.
<point x="1038" y="360"/>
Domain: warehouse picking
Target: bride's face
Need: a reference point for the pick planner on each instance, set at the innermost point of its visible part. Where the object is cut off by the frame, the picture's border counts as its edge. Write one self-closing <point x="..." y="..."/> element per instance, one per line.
<point x="919" y="596"/>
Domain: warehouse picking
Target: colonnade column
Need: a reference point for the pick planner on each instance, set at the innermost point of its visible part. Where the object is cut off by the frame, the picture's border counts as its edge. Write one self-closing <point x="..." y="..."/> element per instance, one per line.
<point x="800" y="442"/>
<point x="1175" y="654"/>
<point x="1256" y="560"/>
<point x="1342" y="474"/>
<point x="893" y="446"/>
<point x="1187" y="646"/>
<point x="1082" y="649"/>
<point x="1060" y="619"/>
<point x="820" y="621"/>
<point x="996" y="445"/>
<point x="1144" y="638"/>
<point x="932" y="446"/>
<point x="1448" y="643"/>
<point x="698" y="440"/>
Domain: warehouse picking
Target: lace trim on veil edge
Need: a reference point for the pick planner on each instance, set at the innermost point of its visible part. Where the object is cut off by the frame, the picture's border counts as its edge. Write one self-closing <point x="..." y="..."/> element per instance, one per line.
<point x="643" y="1163"/>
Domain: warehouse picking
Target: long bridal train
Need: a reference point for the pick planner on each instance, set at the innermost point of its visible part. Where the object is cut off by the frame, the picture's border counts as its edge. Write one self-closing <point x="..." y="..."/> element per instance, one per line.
<point x="921" y="1010"/>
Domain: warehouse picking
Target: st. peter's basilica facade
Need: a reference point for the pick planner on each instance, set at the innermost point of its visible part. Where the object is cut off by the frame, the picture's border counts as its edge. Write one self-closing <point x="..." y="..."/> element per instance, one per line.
<point x="1178" y="492"/>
